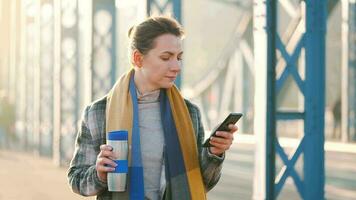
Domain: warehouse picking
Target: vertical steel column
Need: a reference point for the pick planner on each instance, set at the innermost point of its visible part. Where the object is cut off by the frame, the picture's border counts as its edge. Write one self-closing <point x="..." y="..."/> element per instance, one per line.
<point x="348" y="93"/>
<point x="85" y="52"/>
<point x="352" y="64"/>
<point x="239" y="84"/>
<point x="14" y="48"/>
<point x="36" y="80"/>
<point x="69" y="76"/>
<point x="104" y="48"/>
<point x="314" y="172"/>
<point x="46" y="77"/>
<point x="265" y="122"/>
<point x="5" y="18"/>
<point x="14" y="60"/>
<point x="66" y="98"/>
<point x="345" y="72"/>
<point x="271" y="97"/>
<point x="20" y="101"/>
<point x="57" y="150"/>
<point x="167" y="7"/>
<point x="30" y="71"/>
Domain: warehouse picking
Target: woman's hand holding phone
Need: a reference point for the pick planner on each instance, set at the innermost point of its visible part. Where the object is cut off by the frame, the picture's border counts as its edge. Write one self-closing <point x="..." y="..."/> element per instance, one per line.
<point x="221" y="138"/>
<point x="222" y="141"/>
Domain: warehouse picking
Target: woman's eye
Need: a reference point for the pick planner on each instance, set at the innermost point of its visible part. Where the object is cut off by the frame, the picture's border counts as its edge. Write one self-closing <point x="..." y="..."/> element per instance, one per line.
<point x="165" y="58"/>
<point x="179" y="58"/>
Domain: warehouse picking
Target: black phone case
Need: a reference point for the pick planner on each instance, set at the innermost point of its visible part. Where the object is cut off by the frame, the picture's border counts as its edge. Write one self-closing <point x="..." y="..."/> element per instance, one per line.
<point x="232" y="118"/>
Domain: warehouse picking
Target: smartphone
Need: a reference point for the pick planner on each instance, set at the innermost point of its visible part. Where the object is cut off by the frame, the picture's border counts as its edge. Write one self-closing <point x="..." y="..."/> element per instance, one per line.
<point x="232" y="118"/>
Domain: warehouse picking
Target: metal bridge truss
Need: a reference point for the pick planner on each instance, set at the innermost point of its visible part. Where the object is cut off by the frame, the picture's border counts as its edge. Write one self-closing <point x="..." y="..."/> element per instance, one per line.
<point x="227" y="85"/>
<point x="310" y="81"/>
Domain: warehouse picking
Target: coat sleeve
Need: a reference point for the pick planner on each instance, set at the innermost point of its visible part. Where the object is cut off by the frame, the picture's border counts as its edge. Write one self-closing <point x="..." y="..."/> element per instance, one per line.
<point x="82" y="175"/>
<point x="210" y="164"/>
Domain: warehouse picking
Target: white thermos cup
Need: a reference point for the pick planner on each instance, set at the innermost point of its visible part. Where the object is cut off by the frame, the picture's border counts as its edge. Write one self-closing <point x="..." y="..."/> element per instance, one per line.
<point x="117" y="179"/>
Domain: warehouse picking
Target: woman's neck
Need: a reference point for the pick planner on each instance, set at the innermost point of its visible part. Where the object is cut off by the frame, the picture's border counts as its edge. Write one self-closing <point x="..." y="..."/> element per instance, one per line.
<point x="142" y="84"/>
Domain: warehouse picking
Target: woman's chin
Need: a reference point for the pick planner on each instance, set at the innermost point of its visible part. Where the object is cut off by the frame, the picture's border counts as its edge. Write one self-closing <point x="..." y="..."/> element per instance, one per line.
<point x="168" y="85"/>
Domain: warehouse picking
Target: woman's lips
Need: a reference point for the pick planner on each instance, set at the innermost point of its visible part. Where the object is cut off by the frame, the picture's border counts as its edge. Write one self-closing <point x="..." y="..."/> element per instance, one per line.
<point x="171" y="77"/>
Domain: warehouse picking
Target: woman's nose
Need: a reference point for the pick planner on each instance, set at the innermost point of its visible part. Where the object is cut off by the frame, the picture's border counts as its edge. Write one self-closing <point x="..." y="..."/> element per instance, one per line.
<point x="176" y="66"/>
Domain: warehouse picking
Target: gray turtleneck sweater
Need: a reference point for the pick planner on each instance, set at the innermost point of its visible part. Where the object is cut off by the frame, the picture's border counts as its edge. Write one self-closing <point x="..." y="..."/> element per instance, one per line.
<point x="152" y="144"/>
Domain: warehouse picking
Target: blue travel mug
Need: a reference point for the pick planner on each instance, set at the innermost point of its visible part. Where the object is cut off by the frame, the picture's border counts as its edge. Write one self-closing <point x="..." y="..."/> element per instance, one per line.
<point x="117" y="179"/>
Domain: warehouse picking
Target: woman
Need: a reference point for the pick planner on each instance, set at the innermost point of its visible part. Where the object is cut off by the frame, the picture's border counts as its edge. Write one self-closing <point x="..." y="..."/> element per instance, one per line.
<point x="166" y="138"/>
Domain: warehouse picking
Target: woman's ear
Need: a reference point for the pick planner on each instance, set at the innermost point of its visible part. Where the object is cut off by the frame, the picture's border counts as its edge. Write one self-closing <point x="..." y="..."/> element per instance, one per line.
<point x="137" y="58"/>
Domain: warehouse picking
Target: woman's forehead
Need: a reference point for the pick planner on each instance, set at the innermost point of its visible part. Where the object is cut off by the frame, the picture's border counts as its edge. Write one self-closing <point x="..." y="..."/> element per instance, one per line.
<point x="168" y="43"/>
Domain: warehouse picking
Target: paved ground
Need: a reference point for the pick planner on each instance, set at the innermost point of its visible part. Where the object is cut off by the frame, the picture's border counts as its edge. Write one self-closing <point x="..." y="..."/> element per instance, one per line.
<point x="27" y="177"/>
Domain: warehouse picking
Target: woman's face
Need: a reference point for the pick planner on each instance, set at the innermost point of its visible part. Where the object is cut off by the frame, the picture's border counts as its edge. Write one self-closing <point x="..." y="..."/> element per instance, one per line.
<point x="162" y="64"/>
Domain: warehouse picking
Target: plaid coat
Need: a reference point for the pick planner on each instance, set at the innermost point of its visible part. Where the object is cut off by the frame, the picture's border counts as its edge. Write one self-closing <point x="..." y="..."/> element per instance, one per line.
<point x="82" y="174"/>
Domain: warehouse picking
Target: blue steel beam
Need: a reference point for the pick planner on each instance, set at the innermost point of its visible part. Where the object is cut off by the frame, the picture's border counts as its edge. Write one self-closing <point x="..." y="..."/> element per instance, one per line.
<point x="289" y="168"/>
<point x="104" y="47"/>
<point x="271" y="29"/>
<point x="352" y="64"/>
<point x="163" y="9"/>
<point x="314" y="101"/>
<point x="290" y="68"/>
<point x="289" y="115"/>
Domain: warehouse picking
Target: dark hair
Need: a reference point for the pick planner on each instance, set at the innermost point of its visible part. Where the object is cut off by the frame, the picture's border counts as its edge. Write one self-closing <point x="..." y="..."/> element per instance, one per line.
<point x="142" y="36"/>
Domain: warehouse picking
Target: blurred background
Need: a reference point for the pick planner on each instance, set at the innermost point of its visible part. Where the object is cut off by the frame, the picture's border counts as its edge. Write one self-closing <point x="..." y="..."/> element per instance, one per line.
<point x="57" y="56"/>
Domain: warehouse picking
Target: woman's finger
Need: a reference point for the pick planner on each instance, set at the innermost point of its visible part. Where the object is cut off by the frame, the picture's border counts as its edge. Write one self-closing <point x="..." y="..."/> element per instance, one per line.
<point x="105" y="147"/>
<point x="107" y="161"/>
<point x="221" y="140"/>
<point x="102" y="168"/>
<point x="107" y="154"/>
<point x="220" y="146"/>
<point x="224" y="134"/>
<point x="233" y="128"/>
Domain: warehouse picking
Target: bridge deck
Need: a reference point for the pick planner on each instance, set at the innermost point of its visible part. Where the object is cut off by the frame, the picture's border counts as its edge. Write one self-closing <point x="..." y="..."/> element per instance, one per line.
<point x="29" y="177"/>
